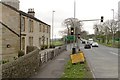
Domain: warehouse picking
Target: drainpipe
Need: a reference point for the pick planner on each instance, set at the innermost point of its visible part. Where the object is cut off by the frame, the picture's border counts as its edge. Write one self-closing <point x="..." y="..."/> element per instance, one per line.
<point x="20" y="31"/>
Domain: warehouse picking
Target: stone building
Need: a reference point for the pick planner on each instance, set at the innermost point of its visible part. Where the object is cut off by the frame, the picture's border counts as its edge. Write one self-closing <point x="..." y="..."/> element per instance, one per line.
<point x="13" y="3"/>
<point x="20" y="29"/>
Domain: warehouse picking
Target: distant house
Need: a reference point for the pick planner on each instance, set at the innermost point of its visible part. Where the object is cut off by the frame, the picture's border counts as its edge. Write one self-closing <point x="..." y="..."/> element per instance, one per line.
<point x="20" y="29"/>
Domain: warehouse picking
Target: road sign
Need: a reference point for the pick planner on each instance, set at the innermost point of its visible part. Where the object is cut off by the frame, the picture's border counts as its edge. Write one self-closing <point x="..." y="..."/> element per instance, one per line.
<point x="70" y="37"/>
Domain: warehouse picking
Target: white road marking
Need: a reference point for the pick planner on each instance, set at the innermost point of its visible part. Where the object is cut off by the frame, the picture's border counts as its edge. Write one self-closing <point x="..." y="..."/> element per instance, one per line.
<point x="114" y="53"/>
<point x="93" y="73"/>
<point x="91" y="69"/>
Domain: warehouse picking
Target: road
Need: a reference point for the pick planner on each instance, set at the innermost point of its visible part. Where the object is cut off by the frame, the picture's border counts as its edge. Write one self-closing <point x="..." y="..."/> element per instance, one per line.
<point x="103" y="61"/>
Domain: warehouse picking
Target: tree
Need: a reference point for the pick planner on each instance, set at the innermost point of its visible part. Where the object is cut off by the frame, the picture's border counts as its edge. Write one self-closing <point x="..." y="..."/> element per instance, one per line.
<point x="96" y="29"/>
<point x="99" y="31"/>
<point x="73" y="22"/>
<point x="106" y="30"/>
<point x="112" y="26"/>
<point x="64" y="32"/>
<point x="83" y="34"/>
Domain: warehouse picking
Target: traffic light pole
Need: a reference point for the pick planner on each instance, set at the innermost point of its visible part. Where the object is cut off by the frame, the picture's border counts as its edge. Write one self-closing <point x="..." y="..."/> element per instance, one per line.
<point x="74" y="49"/>
<point x="73" y="35"/>
<point x="90" y="20"/>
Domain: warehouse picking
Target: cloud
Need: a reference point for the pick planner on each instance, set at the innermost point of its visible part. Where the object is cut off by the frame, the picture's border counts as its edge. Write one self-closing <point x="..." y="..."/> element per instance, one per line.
<point x="85" y="9"/>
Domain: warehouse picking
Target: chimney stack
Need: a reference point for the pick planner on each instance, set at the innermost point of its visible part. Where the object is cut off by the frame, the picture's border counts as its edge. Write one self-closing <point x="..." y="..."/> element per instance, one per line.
<point x="31" y="11"/>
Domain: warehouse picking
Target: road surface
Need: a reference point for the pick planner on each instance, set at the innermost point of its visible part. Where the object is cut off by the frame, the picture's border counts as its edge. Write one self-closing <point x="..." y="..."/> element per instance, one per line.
<point x="103" y="61"/>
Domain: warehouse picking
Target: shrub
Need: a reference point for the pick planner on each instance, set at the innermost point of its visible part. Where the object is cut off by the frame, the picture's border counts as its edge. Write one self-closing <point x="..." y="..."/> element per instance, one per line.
<point x="15" y="58"/>
<point x="117" y="45"/>
<point x="30" y="49"/>
<point x="52" y="46"/>
<point x="5" y="61"/>
<point x="44" y="47"/>
<point x="20" y="53"/>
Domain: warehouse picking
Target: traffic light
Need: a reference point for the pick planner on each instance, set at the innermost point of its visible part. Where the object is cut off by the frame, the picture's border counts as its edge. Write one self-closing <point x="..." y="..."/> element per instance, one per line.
<point x="72" y="31"/>
<point x="102" y="18"/>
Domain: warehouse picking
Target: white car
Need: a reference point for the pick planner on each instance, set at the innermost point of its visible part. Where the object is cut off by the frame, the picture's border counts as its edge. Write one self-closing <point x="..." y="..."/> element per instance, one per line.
<point x="94" y="44"/>
<point x="90" y="41"/>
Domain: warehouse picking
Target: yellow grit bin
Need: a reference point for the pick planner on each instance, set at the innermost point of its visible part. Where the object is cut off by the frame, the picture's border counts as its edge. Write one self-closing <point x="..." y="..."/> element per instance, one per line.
<point x="78" y="57"/>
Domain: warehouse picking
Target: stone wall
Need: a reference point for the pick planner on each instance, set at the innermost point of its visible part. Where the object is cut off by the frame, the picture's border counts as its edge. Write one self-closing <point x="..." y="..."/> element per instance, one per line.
<point x="29" y="64"/>
<point x="22" y="67"/>
<point x="49" y="54"/>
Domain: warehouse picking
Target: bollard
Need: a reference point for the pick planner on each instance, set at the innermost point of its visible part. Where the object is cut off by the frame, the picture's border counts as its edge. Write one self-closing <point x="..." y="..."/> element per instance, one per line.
<point x="73" y="50"/>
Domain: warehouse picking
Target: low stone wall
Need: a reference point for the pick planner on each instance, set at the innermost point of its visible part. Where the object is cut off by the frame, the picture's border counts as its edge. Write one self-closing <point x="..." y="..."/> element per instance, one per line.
<point x="22" y="67"/>
<point x="29" y="64"/>
<point x="49" y="54"/>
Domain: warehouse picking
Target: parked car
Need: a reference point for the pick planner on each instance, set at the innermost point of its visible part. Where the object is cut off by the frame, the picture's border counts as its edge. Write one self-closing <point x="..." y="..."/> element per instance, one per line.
<point x="87" y="46"/>
<point x="94" y="44"/>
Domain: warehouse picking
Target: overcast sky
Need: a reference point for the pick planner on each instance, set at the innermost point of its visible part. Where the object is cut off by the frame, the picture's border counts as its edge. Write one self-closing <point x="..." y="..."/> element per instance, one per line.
<point x="85" y="9"/>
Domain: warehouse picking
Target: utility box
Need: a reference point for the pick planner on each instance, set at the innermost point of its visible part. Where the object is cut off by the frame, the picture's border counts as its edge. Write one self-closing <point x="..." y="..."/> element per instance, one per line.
<point x="78" y="57"/>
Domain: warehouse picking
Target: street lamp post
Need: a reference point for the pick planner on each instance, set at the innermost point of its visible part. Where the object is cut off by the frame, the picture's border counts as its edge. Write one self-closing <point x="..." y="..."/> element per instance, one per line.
<point x="112" y="25"/>
<point x="52" y="26"/>
<point x="113" y="13"/>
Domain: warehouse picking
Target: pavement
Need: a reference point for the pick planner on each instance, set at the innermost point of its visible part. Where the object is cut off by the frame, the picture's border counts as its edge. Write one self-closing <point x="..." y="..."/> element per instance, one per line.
<point x="55" y="67"/>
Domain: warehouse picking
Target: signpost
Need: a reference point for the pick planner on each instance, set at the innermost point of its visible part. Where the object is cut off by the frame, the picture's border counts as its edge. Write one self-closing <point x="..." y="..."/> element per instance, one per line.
<point x="70" y="37"/>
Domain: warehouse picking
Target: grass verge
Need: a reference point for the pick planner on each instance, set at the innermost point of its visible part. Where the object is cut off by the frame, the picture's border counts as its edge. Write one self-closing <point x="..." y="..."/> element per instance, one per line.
<point x="115" y="45"/>
<point x="57" y="43"/>
<point x="78" y="70"/>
